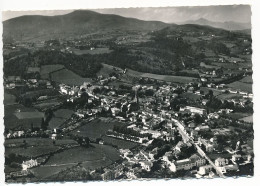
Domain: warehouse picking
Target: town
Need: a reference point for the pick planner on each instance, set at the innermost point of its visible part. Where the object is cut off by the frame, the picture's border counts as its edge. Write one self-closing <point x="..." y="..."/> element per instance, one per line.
<point x="106" y="121"/>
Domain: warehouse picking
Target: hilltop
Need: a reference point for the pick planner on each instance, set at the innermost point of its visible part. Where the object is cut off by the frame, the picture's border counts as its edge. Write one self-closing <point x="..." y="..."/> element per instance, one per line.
<point x="77" y="23"/>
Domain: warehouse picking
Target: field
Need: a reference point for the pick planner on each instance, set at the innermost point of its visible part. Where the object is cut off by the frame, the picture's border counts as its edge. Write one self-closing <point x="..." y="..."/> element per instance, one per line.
<point x="68" y="77"/>
<point x="238" y="115"/>
<point x="9" y="99"/>
<point x="248" y="119"/>
<point x="225" y="96"/>
<point x="191" y="96"/>
<point x="11" y="121"/>
<point x="121" y="144"/>
<point x="35" y="146"/>
<point x="43" y="172"/>
<point x="96" y="128"/>
<point x="60" y="116"/>
<point x="238" y="85"/>
<point x="247" y="79"/>
<point x="29" y="115"/>
<point x="102" y="155"/>
<point x="226" y="65"/>
<point x="175" y="79"/>
<point x="47" y="69"/>
<point x="107" y="69"/>
<point x="92" y="52"/>
<point x="46" y="104"/>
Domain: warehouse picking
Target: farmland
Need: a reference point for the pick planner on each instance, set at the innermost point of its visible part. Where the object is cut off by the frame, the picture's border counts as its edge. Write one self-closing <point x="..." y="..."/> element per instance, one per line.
<point x="9" y="99"/>
<point x="174" y="79"/>
<point x="248" y="119"/>
<point x="59" y="117"/>
<point x="11" y="121"/>
<point x="96" y="128"/>
<point x="121" y="144"/>
<point x="92" y="52"/>
<point x="35" y="146"/>
<point x="68" y="77"/>
<point x="238" y="85"/>
<point x="47" y="69"/>
<point x="101" y="154"/>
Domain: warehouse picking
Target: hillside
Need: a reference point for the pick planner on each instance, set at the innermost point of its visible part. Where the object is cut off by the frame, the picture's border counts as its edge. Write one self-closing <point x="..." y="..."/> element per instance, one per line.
<point x="228" y="25"/>
<point x="77" y="23"/>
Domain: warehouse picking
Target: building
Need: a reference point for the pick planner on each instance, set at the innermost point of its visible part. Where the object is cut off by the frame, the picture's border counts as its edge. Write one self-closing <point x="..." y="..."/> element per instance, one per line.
<point x="146" y="165"/>
<point x="108" y="175"/>
<point x="205" y="169"/>
<point x="29" y="164"/>
<point x="187" y="164"/>
<point x="194" y="110"/>
<point x="219" y="162"/>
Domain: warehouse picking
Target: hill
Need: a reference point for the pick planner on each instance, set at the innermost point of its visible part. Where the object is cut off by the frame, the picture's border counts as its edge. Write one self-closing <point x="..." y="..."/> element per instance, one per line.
<point x="77" y="23"/>
<point x="228" y="25"/>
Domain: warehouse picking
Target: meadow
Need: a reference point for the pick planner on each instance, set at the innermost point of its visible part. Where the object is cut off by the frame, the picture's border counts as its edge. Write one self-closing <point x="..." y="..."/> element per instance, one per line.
<point x="68" y="77"/>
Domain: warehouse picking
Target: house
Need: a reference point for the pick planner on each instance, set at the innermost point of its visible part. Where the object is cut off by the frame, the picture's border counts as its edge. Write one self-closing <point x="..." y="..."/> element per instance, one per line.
<point x="29" y="164"/>
<point x="187" y="164"/>
<point x="205" y="169"/>
<point x="146" y="165"/>
<point x="220" y="162"/>
<point x="194" y="110"/>
<point x="207" y="144"/>
<point x="108" y="175"/>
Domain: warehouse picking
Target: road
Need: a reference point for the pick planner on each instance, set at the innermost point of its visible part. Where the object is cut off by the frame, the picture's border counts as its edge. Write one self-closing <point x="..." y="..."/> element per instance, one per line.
<point x="187" y="138"/>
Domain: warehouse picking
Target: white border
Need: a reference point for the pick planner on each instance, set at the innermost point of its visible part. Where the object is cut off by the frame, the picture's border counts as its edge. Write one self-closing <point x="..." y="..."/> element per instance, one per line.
<point x="94" y="4"/>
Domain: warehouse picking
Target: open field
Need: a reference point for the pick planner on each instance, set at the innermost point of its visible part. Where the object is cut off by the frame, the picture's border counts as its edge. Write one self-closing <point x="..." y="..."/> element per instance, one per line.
<point x="238" y="85"/>
<point x="60" y="116"/>
<point x="225" y="96"/>
<point x="226" y="65"/>
<point x="121" y="144"/>
<point x="175" y="79"/>
<point x="96" y="128"/>
<point x="29" y="115"/>
<point x="238" y="115"/>
<point x="107" y="69"/>
<point x="92" y="52"/>
<point x="248" y="119"/>
<point x="43" y="172"/>
<point x="191" y="96"/>
<point x="101" y="154"/>
<point x="11" y="121"/>
<point x="247" y="79"/>
<point x="9" y="99"/>
<point x="68" y="77"/>
<point x="47" y="69"/>
<point x="35" y="146"/>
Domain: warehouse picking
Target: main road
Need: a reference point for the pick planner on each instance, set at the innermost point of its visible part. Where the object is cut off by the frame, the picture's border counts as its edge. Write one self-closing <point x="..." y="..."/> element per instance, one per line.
<point x="187" y="138"/>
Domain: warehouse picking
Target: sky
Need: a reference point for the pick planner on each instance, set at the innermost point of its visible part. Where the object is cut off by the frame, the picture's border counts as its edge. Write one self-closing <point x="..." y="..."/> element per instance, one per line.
<point x="237" y="13"/>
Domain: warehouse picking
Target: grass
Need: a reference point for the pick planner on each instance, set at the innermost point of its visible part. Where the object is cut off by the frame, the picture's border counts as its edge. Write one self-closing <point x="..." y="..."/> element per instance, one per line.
<point x="29" y="115"/>
<point x="122" y="144"/>
<point x="68" y="77"/>
<point x="42" y="172"/>
<point x="238" y="115"/>
<point x="60" y="116"/>
<point x="97" y="153"/>
<point x="169" y="78"/>
<point x="247" y="79"/>
<point x="9" y="99"/>
<point x="248" y="119"/>
<point x="191" y="96"/>
<point x="107" y="69"/>
<point x="237" y="85"/>
<point x="11" y="121"/>
<point x="35" y="146"/>
<point x="47" y="69"/>
<point x="92" y="52"/>
<point x="96" y="128"/>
